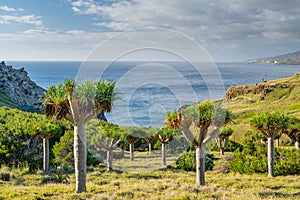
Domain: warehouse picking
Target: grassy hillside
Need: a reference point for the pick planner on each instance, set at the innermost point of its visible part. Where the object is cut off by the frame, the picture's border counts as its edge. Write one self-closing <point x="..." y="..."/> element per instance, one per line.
<point x="6" y="101"/>
<point x="278" y="95"/>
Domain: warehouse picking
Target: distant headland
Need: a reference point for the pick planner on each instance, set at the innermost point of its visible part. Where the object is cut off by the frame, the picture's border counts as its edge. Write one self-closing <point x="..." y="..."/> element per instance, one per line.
<point x="285" y="59"/>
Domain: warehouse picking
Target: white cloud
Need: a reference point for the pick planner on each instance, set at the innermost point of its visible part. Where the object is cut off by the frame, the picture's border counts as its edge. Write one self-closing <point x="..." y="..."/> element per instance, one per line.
<point x="25" y="19"/>
<point x="223" y="20"/>
<point x="10" y="9"/>
<point x="48" y="44"/>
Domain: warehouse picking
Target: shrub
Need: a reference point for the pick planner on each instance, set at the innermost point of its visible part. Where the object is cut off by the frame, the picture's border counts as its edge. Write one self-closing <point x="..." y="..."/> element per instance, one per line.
<point x="92" y="160"/>
<point x="63" y="150"/>
<point x="48" y="179"/>
<point x="57" y="177"/>
<point x="230" y="147"/>
<point x="187" y="161"/>
<point x="5" y="176"/>
<point x="253" y="159"/>
<point x="289" y="162"/>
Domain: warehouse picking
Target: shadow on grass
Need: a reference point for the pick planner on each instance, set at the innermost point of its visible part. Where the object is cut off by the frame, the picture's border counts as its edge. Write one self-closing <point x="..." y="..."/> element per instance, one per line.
<point x="277" y="194"/>
<point x="282" y="186"/>
<point x="145" y="177"/>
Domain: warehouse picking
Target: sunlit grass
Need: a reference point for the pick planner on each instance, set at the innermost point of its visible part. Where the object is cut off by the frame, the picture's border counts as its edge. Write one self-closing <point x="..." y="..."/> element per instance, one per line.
<point x="144" y="178"/>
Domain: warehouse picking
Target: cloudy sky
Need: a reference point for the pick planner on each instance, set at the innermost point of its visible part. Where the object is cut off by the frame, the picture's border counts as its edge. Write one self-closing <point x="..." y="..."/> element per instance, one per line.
<point x="229" y="30"/>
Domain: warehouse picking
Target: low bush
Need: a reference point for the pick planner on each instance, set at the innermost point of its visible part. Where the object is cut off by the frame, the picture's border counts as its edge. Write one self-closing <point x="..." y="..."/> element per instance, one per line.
<point x="253" y="159"/>
<point x="230" y="147"/>
<point x="5" y="176"/>
<point x="57" y="177"/>
<point x="187" y="161"/>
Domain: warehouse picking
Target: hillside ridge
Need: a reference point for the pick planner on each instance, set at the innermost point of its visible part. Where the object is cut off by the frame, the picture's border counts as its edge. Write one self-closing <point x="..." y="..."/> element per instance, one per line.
<point x="18" y="90"/>
<point x="285" y="59"/>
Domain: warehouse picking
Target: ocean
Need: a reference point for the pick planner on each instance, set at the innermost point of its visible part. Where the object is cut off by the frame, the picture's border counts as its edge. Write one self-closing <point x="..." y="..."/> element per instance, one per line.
<point x="148" y="90"/>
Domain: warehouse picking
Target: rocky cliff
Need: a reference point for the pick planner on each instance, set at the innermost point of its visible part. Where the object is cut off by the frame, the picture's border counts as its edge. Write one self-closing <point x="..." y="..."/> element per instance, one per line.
<point x="17" y="85"/>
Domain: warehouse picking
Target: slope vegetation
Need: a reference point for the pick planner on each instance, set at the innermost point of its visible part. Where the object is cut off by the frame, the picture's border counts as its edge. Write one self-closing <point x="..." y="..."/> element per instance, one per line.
<point x="276" y="95"/>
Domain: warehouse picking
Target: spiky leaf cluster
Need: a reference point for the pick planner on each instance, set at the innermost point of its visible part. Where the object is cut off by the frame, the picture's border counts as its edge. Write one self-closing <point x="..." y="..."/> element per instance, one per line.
<point x="89" y="97"/>
<point x="270" y="123"/>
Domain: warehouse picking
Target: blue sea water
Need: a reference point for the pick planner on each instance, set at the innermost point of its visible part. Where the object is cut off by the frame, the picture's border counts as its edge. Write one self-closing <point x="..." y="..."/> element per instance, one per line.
<point x="148" y="90"/>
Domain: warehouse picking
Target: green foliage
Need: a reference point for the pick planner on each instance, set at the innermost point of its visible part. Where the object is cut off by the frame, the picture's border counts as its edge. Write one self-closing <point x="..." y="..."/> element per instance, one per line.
<point x="230" y="147"/>
<point x="89" y="95"/>
<point x="270" y="123"/>
<point x="253" y="159"/>
<point x="5" y="176"/>
<point x="63" y="150"/>
<point x="293" y="129"/>
<point x="288" y="162"/>
<point x="166" y="134"/>
<point x="255" y="135"/>
<point x="206" y="113"/>
<point x="18" y="144"/>
<point x="57" y="177"/>
<point x="172" y="120"/>
<point x="49" y="128"/>
<point x="106" y="92"/>
<point x="98" y="130"/>
<point x="226" y="132"/>
<point x="200" y="113"/>
<point x="92" y="160"/>
<point x="187" y="161"/>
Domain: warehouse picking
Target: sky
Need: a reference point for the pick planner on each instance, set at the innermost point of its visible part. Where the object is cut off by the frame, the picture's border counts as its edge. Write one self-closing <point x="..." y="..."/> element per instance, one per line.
<point x="228" y="30"/>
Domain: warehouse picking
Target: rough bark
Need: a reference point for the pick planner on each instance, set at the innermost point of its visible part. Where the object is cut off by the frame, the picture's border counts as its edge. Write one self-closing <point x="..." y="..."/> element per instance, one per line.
<point x="198" y="166"/>
<point x="222" y="151"/>
<point x="109" y="160"/>
<point x="277" y="142"/>
<point x="163" y="154"/>
<point x="80" y="157"/>
<point x="297" y="145"/>
<point x="271" y="152"/>
<point x="149" y="148"/>
<point x="131" y="149"/>
<point x="202" y="165"/>
<point x="46" y="155"/>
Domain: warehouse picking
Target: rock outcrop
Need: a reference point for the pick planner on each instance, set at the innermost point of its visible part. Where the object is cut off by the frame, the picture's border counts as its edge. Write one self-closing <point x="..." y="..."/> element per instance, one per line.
<point x="262" y="88"/>
<point x="16" y="84"/>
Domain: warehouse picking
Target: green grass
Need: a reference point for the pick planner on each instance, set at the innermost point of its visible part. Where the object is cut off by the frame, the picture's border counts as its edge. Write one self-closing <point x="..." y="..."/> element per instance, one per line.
<point x="284" y="96"/>
<point x="6" y="101"/>
<point x="144" y="178"/>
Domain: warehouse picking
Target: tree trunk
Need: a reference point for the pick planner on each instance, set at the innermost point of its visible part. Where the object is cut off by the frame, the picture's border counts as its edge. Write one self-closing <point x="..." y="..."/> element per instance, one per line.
<point x="80" y="157"/>
<point x="222" y="151"/>
<point x="46" y="155"/>
<point x="131" y="149"/>
<point x="123" y="151"/>
<point x="297" y="145"/>
<point x="150" y="148"/>
<point x="163" y="154"/>
<point x="109" y="160"/>
<point x="271" y="152"/>
<point x="277" y="142"/>
<point x="200" y="165"/>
